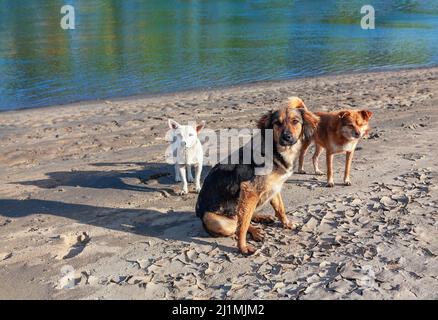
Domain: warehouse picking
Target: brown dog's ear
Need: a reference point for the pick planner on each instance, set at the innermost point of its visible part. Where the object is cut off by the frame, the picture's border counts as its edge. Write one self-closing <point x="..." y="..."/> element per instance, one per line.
<point x="265" y="122"/>
<point x="366" y="114"/>
<point x="310" y="122"/>
<point x="343" y="114"/>
<point x="296" y="103"/>
<point x="200" y="126"/>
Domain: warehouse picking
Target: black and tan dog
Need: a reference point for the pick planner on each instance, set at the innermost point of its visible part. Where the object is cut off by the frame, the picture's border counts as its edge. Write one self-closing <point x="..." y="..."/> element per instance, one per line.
<point x="232" y="192"/>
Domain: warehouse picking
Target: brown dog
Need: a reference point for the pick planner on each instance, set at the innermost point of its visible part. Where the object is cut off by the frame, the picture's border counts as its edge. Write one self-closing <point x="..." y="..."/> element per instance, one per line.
<point x="337" y="132"/>
<point x="231" y="193"/>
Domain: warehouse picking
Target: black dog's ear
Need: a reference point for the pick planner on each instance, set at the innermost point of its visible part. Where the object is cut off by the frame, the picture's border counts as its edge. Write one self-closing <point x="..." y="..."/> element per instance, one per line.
<point x="310" y="122"/>
<point x="265" y="122"/>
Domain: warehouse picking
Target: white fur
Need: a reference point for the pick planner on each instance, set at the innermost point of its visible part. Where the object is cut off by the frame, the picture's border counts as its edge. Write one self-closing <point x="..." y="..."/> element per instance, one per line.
<point x="347" y="132"/>
<point x="290" y="154"/>
<point x="188" y="150"/>
<point x="350" y="146"/>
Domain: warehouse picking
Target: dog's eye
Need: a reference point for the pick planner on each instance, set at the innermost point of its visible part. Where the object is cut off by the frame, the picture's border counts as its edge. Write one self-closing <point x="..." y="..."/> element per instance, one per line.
<point x="277" y="123"/>
<point x="295" y="122"/>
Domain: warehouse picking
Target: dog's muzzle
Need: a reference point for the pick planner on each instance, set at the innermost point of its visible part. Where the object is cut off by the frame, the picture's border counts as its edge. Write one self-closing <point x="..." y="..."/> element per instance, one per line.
<point x="287" y="139"/>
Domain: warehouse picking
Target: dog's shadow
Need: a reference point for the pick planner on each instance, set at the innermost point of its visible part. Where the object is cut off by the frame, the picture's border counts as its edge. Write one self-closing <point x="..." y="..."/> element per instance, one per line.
<point x="171" y="225"/>
<point x="152" y="177"/>
<point x="166" y="224"/>
<point x="312" y="178"/>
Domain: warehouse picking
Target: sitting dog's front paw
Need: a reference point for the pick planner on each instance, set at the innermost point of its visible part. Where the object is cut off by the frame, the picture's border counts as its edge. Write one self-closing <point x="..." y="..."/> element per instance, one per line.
<point x="189" y="179"/>
<point x="319" y="172"/>
<point x="290" y="225"/>
<point x="330" y="184"/>
<point x="247" y="250"/>
<point x="301" y="171"/>
<point x="257" y="234"/>
<point x="347" y="183"/>
<point x="178" y="179"/>
<point x="198" y="189"/>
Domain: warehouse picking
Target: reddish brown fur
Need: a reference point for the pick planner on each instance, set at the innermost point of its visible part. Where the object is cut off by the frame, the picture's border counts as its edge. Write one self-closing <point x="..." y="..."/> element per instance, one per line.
<point x="337" y="133"/>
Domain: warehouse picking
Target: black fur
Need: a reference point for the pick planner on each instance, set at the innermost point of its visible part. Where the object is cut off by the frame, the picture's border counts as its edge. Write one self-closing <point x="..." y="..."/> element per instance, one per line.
<point x="221" y="188"/>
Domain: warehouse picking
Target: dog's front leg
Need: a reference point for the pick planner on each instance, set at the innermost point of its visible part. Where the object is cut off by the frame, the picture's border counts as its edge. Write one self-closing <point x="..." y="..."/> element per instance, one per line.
<point x="189" y="173"/>
<point x="304" y="148"/>
<point x="177" y="175"/>
<point x="329" y="160"/>
<point x="182" y="172"/>
<point x="248" y="200"/>
<point x="315" y="158"/>
<point x="198" y="171"/>
<point x="280" y="212"/>
<point x="348" y="161"/>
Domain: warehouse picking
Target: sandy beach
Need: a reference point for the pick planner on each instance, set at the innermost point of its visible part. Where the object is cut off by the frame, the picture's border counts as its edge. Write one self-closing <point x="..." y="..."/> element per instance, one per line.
<point x="89" y="210"/>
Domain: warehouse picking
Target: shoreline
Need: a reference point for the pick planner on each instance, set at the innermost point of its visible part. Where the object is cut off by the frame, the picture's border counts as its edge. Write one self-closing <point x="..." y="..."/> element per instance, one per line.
<point x="87" y="187"/>
<point x="253" y="84"/>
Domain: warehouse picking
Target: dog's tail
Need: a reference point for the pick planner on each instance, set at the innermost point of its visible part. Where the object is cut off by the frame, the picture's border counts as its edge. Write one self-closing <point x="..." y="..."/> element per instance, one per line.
<point x="296" y="103"/>
<point x="219" y="225"/>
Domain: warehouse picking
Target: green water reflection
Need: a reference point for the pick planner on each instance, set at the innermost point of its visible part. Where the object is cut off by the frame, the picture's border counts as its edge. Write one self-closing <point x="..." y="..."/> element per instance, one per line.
<point x="130" y="47"/>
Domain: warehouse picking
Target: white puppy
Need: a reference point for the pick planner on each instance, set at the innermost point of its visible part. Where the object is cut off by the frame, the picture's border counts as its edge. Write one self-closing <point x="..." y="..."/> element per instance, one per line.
<point x="188" y="150"/>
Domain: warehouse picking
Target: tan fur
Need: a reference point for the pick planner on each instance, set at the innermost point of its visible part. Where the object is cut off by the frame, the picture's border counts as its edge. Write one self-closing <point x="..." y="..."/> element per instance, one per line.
<point x="337" y="132"/>
<point x="280" y="211"/>
<point x="295" y="102"/>
<point x="220" y="225"/>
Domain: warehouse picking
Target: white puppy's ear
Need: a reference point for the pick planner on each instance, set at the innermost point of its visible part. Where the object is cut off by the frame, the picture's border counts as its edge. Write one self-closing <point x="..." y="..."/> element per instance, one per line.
<point x="200" y="126"/>
<point x="173" y="124"/>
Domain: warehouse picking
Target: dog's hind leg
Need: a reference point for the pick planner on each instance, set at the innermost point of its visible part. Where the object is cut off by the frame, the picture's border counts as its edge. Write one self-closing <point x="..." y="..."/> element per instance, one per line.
<point x="219" y="225"/>
<point x="263" y="218"/>
<point x="256" y="233"/>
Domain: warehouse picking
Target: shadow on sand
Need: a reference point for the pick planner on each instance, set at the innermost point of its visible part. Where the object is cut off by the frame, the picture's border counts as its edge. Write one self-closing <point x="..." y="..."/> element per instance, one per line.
<point x="174" y="225"/>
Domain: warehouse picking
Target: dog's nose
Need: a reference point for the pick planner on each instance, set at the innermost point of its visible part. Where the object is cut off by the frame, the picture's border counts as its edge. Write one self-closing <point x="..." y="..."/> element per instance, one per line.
<point x="287" y="137"/>
<point x="183" y="143"/>
<point x="356" y="134"/>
